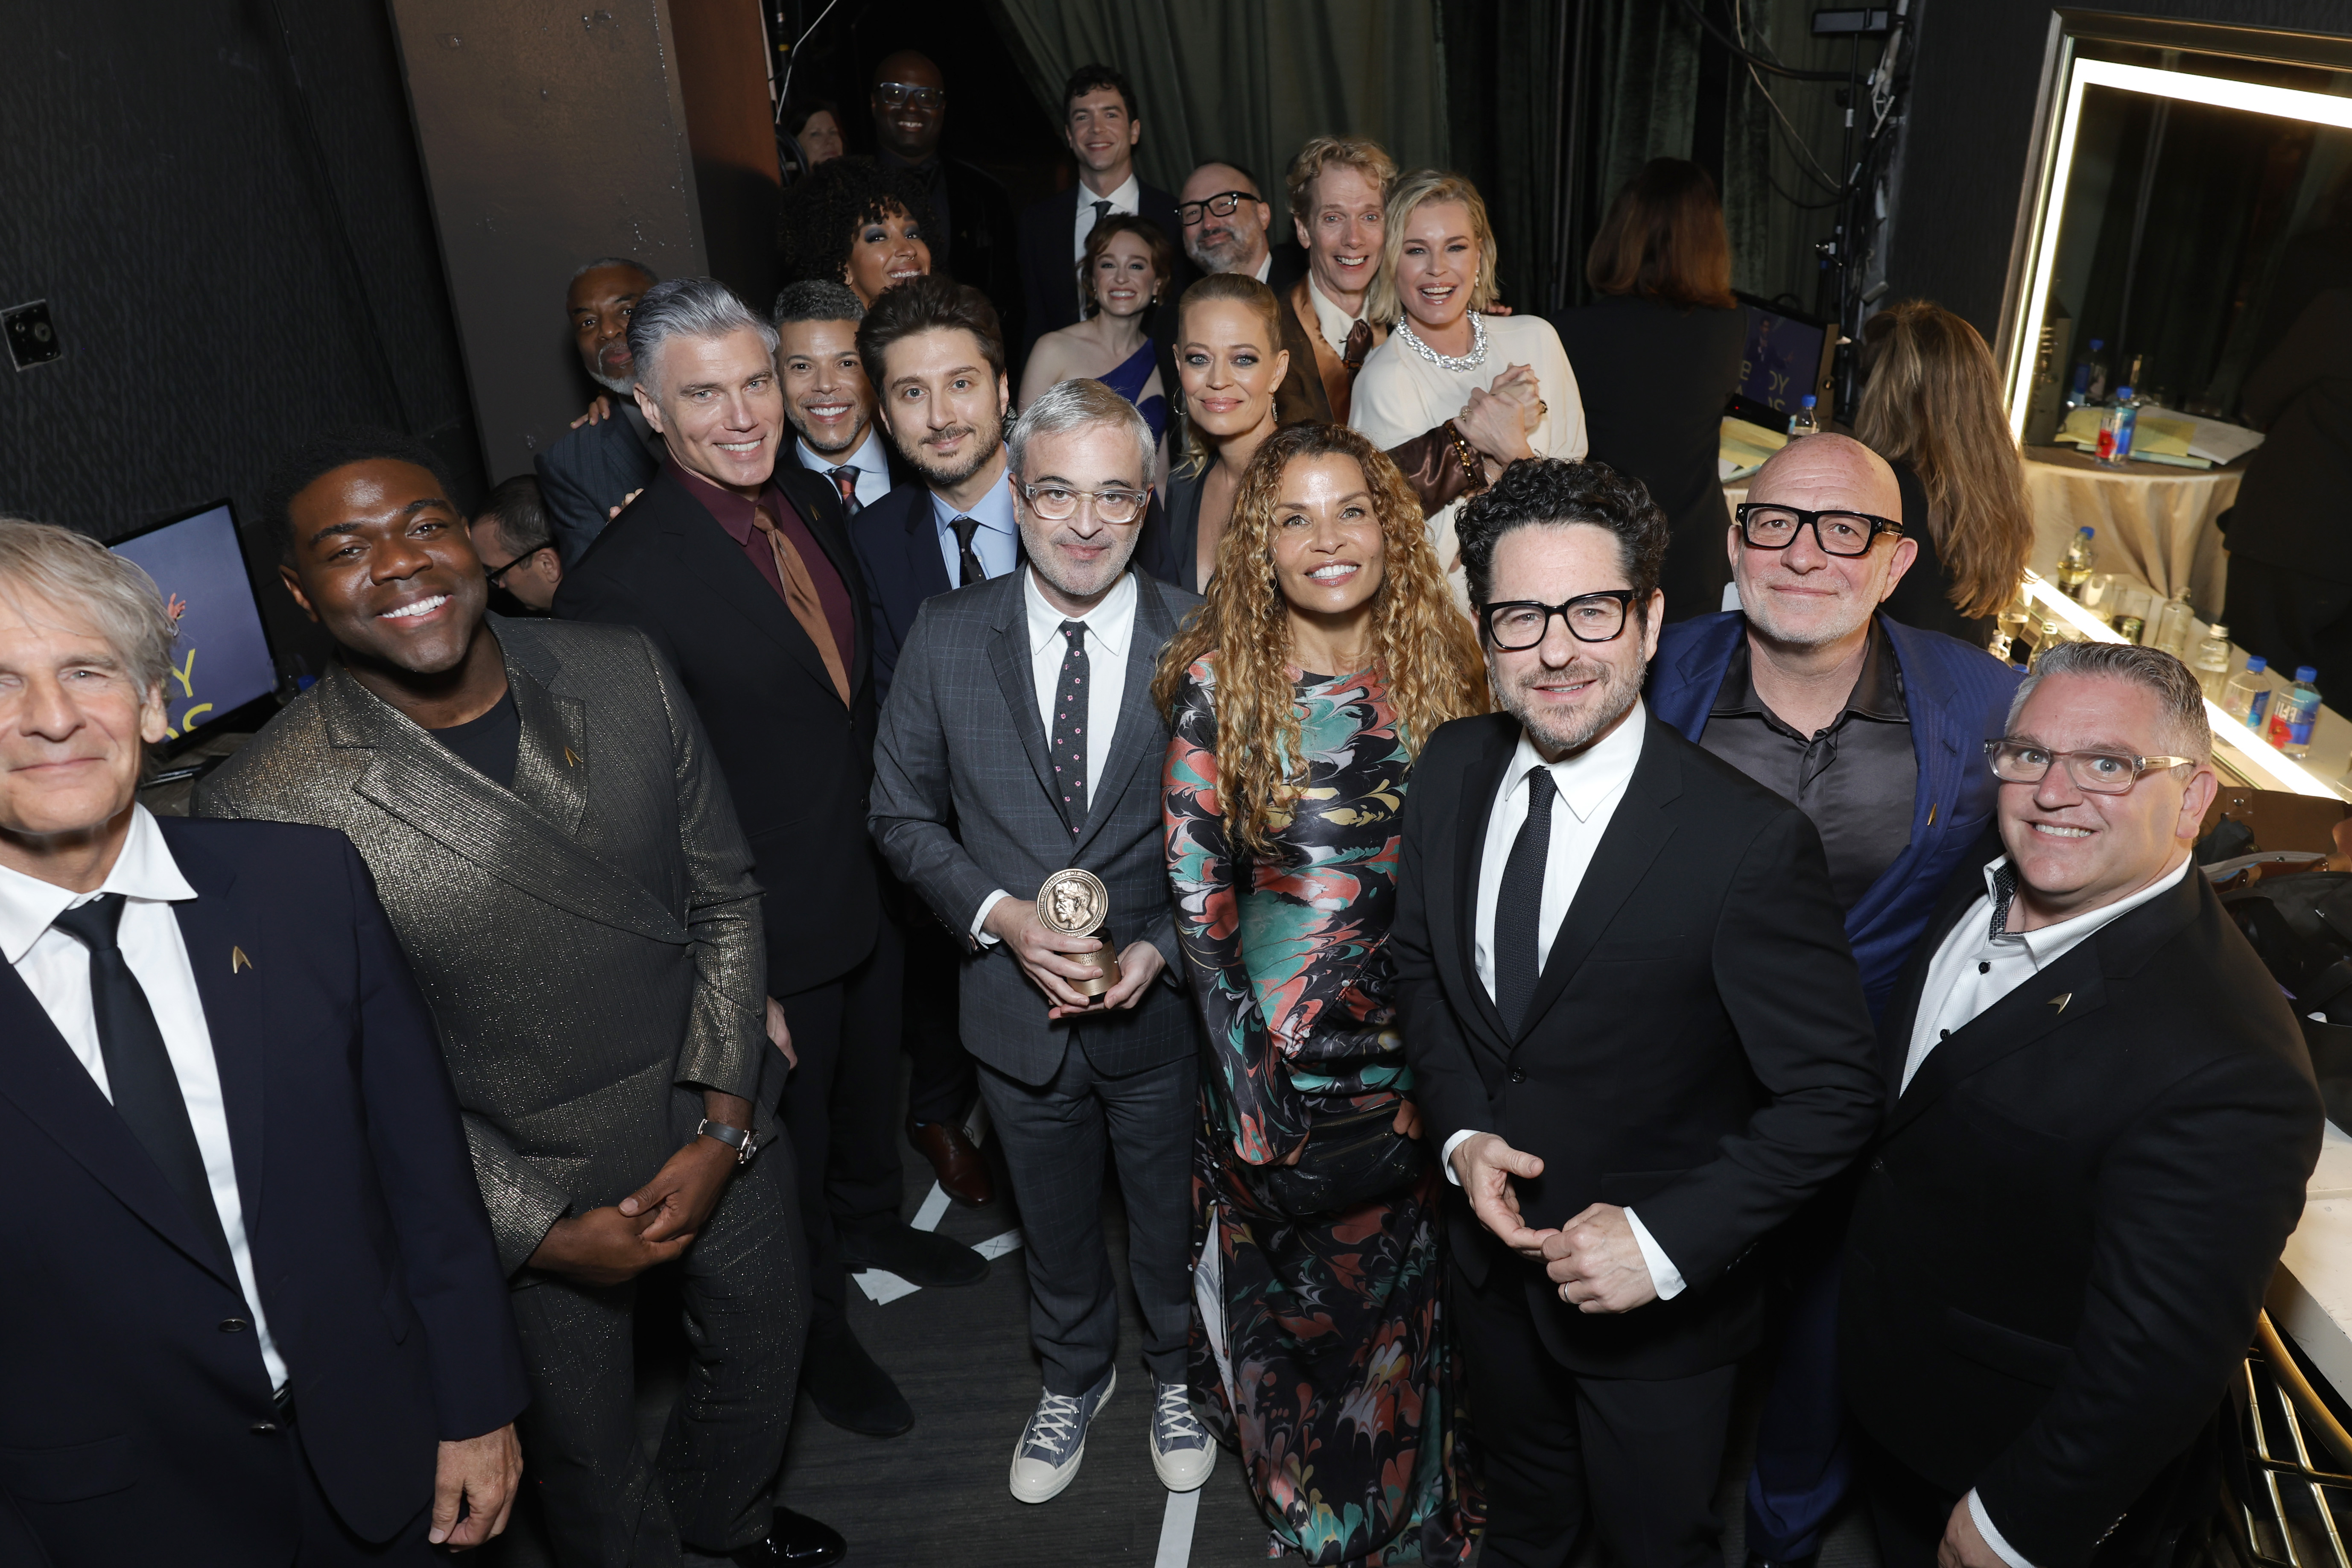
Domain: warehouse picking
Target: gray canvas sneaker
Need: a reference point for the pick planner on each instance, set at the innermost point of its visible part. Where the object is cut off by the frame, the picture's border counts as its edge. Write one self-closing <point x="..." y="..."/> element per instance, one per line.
<point x="1181" y="1449"/>
<point x="1047" y="1458"/>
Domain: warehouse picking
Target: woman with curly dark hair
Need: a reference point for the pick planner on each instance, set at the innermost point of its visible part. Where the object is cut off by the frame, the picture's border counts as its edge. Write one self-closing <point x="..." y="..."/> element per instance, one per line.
<point x="851" y="221"/>
<point x="1327" y="650"/>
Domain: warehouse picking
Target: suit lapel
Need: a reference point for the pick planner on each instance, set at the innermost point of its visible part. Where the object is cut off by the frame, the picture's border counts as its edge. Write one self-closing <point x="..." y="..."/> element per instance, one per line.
<point x="1637" y="830"/>
<point x="711" y="553"/>
<point x="226" y="949"/>
<point x="551" y="764"/>
<point x="1453" y="921"/>
<point x="410" y="775"/>
<point x="1008" y="654"/>
<point x="927" y="569"/>
<point x="1901" y="1011"/>
<point x="1139" y="726"/>
<point x="820" y="507"/>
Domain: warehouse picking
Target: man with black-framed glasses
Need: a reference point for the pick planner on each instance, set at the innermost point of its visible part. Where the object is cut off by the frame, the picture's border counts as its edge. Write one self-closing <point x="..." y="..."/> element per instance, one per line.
<point x="516" y="545"/>
<point x="971" y="229"/>
<point x="1874" y="730"/>
<point x="1226" y="227"/>
<point x="2100" y="1120"/>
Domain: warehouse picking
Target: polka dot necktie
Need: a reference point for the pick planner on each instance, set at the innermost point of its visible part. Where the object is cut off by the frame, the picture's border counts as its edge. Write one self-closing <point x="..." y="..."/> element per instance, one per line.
<point x="1068" y="750"/>
<point x="845" y="479"/>
<point x="968" y="567"/>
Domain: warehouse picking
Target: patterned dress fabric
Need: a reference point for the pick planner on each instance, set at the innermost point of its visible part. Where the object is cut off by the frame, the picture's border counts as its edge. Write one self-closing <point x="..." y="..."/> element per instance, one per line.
<point x="1318" y="1347"/>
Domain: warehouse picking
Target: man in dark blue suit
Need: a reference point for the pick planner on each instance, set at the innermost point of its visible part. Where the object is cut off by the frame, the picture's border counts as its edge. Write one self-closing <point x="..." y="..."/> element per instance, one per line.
<point x="610" y="453"/>
<point x="254" y="1310"/>
<point x="1876" y="732"/>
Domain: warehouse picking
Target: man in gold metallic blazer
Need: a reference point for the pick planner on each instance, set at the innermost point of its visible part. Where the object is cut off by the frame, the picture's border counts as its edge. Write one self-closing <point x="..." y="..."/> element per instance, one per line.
<point x="562" y="865"/>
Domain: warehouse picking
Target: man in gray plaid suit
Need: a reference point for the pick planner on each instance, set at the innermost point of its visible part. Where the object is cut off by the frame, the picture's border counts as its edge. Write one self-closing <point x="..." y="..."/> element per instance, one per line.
<point x="1019" y="740"/>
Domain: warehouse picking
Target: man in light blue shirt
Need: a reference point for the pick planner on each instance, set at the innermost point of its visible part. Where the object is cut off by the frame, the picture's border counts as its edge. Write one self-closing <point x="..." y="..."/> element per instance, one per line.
<point x="826" y="396"/>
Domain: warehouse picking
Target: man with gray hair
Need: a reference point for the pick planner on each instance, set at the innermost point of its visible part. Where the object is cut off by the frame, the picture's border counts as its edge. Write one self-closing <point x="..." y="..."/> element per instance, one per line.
<point x="2100" y="1120"/>
<point x="740" y="570"/>
<point x="826" y="396"/>
<point x="1019" y="748"/>
<point x="610" y="452"/>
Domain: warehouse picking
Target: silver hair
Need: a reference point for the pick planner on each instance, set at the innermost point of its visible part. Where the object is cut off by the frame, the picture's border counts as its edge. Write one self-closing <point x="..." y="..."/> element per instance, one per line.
<point x="2185" y="731"/>
<point x="700" y="308"/>
<point x="1068" y="405"/>
<point x="631" y="262"/>
<point x="52" y="571"/>
<point x="816" y="299"/>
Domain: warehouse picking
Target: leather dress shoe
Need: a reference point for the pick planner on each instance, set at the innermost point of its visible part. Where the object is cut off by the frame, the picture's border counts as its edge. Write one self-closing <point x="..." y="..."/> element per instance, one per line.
<point x="849" y="1388"/>
<point x="962" y="1169"/>
<point x="917" y="1256"/>
<point x="794" y="1540"/>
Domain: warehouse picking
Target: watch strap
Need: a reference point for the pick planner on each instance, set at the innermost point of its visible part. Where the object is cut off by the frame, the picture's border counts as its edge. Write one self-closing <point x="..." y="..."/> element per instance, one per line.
<point x="736" y="1138"/>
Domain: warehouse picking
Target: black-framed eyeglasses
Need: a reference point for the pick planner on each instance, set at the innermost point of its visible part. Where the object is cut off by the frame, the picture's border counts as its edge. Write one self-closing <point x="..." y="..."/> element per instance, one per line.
<point x="898" y="94"/>
<point x="2095" y="773"/>
<point x="1512" y="624"/>
<point x="497" y="575"/>
<point x="1224" y="204"/>
<point x="1765" y="526"/>
<point x="1059" y="503"/>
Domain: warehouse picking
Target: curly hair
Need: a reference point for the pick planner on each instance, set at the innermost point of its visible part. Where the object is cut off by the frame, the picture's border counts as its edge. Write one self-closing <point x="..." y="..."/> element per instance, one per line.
<point x="1536" y="491"/>
<point x="818" y="220"/>
<point x="1420" y="646"/>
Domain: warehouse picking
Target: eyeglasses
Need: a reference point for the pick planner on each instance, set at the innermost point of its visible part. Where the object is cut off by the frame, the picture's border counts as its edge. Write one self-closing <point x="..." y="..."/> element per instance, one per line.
<point x="497" y="575"/>
<point x="1059" y="503"/>
<point x="1224" y="204"/>
<point x="1516" y="624"/>
<point x="898" y="94"/>
<point x="1767" y="527"/>
<point x="2093" y="772"/>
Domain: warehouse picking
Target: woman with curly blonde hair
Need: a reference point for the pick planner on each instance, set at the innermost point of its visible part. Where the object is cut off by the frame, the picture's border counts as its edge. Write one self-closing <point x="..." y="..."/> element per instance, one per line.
<point x="1327" y="650"/>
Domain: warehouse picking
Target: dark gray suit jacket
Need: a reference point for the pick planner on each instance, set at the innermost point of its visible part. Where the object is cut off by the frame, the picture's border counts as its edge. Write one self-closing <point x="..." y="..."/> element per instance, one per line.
<point x="962" y="807"/>
<point x="592" y="470"/>
<point x="590" y="941"/>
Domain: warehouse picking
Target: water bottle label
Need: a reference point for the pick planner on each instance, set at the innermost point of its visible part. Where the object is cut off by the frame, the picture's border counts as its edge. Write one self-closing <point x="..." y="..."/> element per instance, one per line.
<point x="2299" y="733"/>
<point x="2254" y="715"/>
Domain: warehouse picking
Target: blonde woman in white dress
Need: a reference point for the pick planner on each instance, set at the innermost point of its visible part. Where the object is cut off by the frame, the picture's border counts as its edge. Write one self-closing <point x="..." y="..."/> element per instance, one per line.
<point x="1444" y="354"/>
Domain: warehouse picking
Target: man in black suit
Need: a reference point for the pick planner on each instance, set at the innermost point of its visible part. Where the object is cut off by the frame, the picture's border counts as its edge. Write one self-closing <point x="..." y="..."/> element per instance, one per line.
<point x="1227" y="223"/>
<point x="740" y="571"/>
<point x="255" y="1311"/>
<point x="971" y="229"/>
<point x="1102" y="126"/>
<point x="1638" y="1036"/>
<point x="610" y="452"/>
<point x="2101" y="1119"/>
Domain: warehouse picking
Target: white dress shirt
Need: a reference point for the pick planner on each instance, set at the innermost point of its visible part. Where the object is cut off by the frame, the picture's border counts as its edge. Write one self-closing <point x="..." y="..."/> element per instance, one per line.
<point x="1128" y="198"/>
<point x="1333" y="322"/>
<point x="1975" y="967"/>
<point x="1110" y="627"/>
<point x="872" y="461"/>
<point x="55" y="968"/>
<point x="1265" y="266"/>
<point x="1590" y="784"/>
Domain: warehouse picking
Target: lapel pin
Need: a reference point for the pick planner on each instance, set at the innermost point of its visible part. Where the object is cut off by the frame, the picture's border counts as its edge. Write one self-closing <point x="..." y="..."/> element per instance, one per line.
<point x="2060" y="1000"/>
<point x="570" y="758"/>
<point x="1931" y="814"/>
<point x="237" y="961"/>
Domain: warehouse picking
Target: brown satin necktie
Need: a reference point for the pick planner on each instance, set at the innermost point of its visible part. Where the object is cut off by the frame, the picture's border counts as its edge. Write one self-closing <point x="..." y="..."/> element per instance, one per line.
<point x="1360" y="344"/>
<point x="801" y="598"/>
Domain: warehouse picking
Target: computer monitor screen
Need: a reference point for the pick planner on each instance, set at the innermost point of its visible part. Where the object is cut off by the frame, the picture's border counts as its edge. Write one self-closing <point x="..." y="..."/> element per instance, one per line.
<point x="1782" y="362"/>
<point x="221" y="661"/>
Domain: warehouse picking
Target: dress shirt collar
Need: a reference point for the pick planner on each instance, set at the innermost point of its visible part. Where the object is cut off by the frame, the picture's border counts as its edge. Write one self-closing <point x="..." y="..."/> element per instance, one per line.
<point x="1111" y="622"/>
<point x="2046" y="943"/>
<point x="869" y="457"/>
<point x="1333" y="322"/>
<point x="145" y="870"/>
<point x="1586" y="780"/>
<point x="1128" y="198"/>
<point x="1265" y="266"/>
<point x="729" y="510"/>
<point x="1878" y="689"/>
<point x="993" y="512"/>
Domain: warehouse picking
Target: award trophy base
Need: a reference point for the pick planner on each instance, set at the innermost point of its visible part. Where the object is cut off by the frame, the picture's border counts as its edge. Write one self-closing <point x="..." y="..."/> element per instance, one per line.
<point x="1104" y="961"/>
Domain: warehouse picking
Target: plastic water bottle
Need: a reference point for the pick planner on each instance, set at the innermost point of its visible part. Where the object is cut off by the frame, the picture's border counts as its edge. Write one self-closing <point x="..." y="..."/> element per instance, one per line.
<point x="2116" y="429"/>
<point x="2293" y="713"/>
<point x="2247" y="697"/>
<point x="1802" y="423"/>
<point x="2212" y="663"/>
<point x="2174" y="623"/>
<point x="2075" y="566"/>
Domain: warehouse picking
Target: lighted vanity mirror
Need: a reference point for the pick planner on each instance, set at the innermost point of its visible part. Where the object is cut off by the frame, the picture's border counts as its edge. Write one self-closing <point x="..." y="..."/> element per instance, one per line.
<point x="2192" y="194"/>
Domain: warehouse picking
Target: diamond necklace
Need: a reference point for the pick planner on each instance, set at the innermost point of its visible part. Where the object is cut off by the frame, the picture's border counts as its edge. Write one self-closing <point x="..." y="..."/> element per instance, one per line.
<point x="1457" y="362"/>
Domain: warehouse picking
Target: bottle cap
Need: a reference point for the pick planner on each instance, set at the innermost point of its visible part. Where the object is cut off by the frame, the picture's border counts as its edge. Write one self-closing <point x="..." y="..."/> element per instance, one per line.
<point x="2306" y="674"/>
<point x="2256" y="663"/>
<point x="2087" y="531"/>
<point x="2220" y="633"/>
<point x="2123" y="391"/>
<point x="1809" y="403"/>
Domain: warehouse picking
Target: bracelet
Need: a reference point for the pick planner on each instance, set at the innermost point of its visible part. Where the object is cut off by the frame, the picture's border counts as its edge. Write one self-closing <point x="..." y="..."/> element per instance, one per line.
<point x="736" y="1138"/>
<point x="1474" y="468"/>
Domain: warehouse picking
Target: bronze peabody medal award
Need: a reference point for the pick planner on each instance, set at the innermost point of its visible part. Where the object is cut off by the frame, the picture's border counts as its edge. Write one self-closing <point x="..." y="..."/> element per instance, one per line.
<point x="1076" y="903"/>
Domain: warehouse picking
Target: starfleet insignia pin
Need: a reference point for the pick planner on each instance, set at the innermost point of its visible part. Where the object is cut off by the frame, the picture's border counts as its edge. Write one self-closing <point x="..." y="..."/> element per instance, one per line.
<point x="2060" y="1000"/>
<point x="236" y="959"/>
<point x="570" y="757"/>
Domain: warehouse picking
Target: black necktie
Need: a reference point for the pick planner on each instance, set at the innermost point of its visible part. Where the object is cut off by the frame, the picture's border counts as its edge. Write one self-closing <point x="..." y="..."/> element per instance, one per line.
<point x="1069" y="746"/>
<point x="1102" y="211"/>
<point x="845" y="479"/>
<point x="968" y="567"/>
<point x="139" y="1074"/>
<point x="1518" y="905"/>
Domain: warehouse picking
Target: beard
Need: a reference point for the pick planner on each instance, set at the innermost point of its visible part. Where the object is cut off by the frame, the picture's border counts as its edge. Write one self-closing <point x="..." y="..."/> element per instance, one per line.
<point x="952" y="475"/>
<point x="1219" y="252"/>
<point x="839" y="449"/>
<point x="1570" y="733"/>
<point x="618" y="385"/>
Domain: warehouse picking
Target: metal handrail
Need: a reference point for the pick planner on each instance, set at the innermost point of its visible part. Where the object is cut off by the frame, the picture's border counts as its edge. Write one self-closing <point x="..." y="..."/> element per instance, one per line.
<point x="2298" y="1404"/>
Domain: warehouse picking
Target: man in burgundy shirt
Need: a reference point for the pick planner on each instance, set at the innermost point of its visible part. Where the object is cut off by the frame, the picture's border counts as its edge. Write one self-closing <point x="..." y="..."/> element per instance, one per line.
<point x="740" y="569"/>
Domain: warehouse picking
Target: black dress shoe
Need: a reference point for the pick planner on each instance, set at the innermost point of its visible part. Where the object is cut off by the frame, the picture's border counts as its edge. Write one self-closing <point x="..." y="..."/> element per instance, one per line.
<point x="850" y="1388"/>
<point x="794" y="1540"/>
<point x="917" y="1256"/>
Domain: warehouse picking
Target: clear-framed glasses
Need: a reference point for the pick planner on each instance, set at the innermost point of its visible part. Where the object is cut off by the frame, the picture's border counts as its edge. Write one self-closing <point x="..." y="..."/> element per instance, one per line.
<point x="1059" y="503"/>
<point x="1224" y="204"/>
<point x="1765" y="526"/>
<point x="2093" y="772"/>
<point x="1515" y="624"/>
<point x="898" y="94"/>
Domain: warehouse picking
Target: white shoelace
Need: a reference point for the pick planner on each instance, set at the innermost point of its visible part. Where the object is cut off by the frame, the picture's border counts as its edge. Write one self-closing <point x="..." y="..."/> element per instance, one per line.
<point x="1053" y="1428"/>
<point x="1173" y="1423"/>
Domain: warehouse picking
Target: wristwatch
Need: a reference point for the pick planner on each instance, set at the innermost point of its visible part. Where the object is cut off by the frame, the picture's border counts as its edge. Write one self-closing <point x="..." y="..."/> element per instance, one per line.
<point x="736" y="1138"/>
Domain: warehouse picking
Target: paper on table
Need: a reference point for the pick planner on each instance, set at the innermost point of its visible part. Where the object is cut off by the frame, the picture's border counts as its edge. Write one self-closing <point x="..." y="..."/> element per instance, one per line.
<point x="1742" y="447"/>
<point x="2211" y="438"/>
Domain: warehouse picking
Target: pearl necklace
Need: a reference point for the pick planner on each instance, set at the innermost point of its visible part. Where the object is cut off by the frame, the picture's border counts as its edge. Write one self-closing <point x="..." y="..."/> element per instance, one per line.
<point x="1456" y="363"/>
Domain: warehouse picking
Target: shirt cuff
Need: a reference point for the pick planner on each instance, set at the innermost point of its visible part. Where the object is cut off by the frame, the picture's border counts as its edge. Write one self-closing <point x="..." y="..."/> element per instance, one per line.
<point x="1986" y="1528"/>
<point x="981" y="918"/>
<point x="1445" y="1155"/>
<point x="1667" y="1278"/>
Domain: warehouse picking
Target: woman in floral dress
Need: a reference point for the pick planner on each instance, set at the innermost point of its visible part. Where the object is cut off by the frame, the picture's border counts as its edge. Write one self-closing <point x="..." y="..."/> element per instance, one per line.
<point x="1328" y="650"/>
